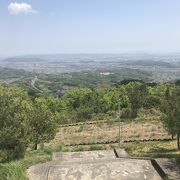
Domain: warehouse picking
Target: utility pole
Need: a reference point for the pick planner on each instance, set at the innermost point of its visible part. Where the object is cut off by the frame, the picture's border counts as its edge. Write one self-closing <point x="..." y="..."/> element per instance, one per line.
<point x="119" y="125"/>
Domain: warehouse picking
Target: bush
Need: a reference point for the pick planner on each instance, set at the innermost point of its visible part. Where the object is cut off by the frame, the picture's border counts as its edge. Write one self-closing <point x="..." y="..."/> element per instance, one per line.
<point x="50" y="150"/>
<point x="8" y="153"/>
<point x="84" y="113"/>
<point x="58" y="148"/>
<point x="80" y="148"/>
<point x="126" y="113"/>
<point x="47" y="150"/>
<point x="95" y="148"/>
<point x="65" y="149"/>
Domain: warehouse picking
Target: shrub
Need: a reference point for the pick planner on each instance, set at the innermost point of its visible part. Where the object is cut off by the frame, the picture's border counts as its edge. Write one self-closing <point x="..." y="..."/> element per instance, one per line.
<point x="50" y="150"/>
<point x="80" y="148"/>
<point x="14" y="153"/>
<point x="94" y="148"/>
<point x="126" y="113"/>
<point x="58" y="148"/>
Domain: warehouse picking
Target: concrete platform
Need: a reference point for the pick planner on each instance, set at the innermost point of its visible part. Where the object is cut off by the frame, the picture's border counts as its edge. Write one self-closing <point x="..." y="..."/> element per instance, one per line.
<point x="121" y="153"/>
<point x="96" y="165"/>
<point x="84" y="156"/>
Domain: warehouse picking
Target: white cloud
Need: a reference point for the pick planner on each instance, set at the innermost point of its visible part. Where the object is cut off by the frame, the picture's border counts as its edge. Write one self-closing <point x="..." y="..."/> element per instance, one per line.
<point x="20" y="8"/>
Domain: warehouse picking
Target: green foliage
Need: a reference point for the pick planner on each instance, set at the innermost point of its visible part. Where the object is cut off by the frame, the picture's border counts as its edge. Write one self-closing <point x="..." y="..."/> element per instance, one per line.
<point x="43" y="120"/>
<point x="126" y="113"/>
<point x="79" y="148"/>
<point x="171" y="109"/>
<point x="14" y="122"/>
<point x="59" y="84"/>
<point x="12" y="171"/>
<point x="137" y="96"/>
<point x="152" y="101"/>
<point x="49" y="150"/>
<point x="156" y="149"/>
<point x="95" y="148"/>
<point x="16" y="170"/>
<point x="83" y="113"/>
<point x="85" y="104"/>
<point x="24" y="120"/>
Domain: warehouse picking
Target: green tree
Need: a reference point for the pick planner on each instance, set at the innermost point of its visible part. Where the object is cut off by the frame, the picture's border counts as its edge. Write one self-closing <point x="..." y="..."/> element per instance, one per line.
<point x="171" y="109"/>
<point x="43" y="121"/>
<point x="77" y="97"/>
<point x="152" y="101"/>
<point x="137" y="94"/>
<point x="80" y="103"/>
<point x="14" y="122"/>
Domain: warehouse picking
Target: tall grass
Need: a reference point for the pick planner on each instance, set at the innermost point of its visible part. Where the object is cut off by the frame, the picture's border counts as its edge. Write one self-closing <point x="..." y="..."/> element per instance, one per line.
<point x="12" y="171"/>
<point x="16" y="170"/>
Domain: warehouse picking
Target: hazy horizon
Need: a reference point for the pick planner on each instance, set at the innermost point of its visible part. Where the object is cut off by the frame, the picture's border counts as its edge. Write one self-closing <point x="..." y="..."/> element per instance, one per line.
<point x="79" y="54"/>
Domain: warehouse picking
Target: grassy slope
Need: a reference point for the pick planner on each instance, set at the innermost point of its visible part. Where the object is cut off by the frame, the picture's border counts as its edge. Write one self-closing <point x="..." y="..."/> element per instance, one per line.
<point x="153" y="149"/>
<point x="16" y="170"/>
<point x="103" y="132"/>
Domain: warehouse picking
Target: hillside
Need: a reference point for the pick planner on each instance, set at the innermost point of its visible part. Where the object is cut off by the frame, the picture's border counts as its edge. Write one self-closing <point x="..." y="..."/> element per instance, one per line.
<point x="61" y="83"/>
<point x="102" y="133"/>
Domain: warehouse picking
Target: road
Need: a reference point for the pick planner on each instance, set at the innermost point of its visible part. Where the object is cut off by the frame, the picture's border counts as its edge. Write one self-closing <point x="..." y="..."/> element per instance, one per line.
<point x="33" y="81"/>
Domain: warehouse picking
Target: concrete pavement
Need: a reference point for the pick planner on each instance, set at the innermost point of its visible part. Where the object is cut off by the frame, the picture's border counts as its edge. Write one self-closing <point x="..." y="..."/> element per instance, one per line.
<point x="96" y="165"/>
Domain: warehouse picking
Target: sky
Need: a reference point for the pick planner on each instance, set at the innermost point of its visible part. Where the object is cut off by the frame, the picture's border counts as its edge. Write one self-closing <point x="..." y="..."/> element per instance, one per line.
<point x="89" y="26"/>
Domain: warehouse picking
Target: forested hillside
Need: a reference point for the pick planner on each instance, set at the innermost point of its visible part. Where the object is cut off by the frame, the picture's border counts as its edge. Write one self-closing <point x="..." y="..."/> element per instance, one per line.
<point x="58" y="84"/>
<point x="27" y="120"/>
<point x="36" y="119"/>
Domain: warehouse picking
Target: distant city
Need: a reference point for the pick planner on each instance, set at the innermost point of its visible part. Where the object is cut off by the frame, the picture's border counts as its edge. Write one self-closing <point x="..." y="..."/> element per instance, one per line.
<point x="65" y="63"/>
<point x="58" y="74"/>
